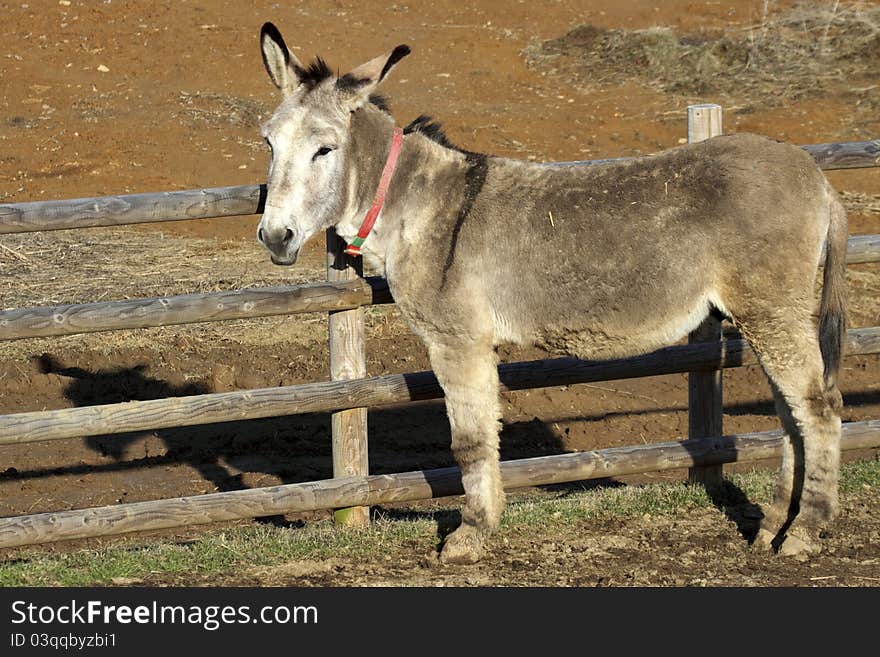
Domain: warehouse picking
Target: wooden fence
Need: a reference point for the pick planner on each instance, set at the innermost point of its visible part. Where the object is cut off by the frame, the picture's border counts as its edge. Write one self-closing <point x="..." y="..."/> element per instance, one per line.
<point x="350" y="393"/>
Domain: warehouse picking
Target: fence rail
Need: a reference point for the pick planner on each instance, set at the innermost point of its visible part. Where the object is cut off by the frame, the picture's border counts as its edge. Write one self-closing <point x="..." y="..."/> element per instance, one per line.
<point x="363" y="491"/>
<point x="334" y="396"/>
<point x="47" y="321"/>
<point x="250" y="199"/>
<point x="132" y="209"/>
<point x="863" y="249"/>
<point x="73" y="319"/>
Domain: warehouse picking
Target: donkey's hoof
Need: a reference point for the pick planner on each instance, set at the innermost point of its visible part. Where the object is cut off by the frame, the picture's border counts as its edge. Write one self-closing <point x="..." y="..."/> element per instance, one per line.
<point x="764" y="539"/>
<point x="799" y="546"/>
<point x="463" y="546"/>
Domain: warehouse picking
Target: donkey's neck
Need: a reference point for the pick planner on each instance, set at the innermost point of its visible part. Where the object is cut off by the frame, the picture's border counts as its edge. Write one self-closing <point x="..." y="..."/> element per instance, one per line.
<point x="421" y="162"/>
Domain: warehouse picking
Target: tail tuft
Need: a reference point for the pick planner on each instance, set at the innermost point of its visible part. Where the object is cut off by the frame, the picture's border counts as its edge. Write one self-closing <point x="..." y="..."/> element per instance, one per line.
<point x="832" y="309"/>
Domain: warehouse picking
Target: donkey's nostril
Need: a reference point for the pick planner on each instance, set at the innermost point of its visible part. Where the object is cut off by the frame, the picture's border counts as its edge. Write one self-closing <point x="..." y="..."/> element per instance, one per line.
<point x="288" y="235"/>
<point x="260" y="236"/>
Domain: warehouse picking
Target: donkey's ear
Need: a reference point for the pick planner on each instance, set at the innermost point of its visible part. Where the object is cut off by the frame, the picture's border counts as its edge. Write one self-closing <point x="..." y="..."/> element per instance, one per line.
<point x="364" y="79"/>
<point x="281" y="64"/>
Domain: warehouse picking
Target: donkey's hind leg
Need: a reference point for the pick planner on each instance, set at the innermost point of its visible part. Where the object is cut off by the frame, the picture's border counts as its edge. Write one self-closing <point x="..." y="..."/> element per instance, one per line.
<point x="805" y="500"/>
<point x="468" y="373"/>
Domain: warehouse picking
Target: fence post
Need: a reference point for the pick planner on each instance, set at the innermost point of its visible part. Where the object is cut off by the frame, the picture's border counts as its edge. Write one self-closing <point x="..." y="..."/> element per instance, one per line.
<point x="347" y="361"/>
<point x="705" y="411"/>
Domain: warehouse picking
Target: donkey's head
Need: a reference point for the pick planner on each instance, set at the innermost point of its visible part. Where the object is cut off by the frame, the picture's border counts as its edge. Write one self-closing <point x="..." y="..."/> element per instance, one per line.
<point x="309" y="136"/>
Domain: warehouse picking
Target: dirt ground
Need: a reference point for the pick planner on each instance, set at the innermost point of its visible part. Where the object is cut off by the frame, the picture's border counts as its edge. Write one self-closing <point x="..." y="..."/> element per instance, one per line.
<point x="109" y="98"/>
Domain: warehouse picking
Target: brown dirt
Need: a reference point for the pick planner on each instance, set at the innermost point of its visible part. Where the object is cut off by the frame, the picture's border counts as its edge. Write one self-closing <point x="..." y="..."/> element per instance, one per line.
<point x="702" y="549"/>
<point x="178" y="109"/>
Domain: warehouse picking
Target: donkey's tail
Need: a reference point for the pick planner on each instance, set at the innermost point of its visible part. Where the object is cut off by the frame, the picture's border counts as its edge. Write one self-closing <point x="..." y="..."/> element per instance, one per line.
<point x="832" y="309"/>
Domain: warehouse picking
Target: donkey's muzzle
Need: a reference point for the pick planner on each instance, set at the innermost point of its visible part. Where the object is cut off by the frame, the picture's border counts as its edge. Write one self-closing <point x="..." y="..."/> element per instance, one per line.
<point x="275" y="240"/>
<point x="278" y="243"/>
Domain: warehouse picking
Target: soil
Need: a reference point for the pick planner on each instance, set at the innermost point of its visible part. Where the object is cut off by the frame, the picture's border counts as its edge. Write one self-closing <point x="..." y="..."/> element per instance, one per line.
<point x="703" y="549"/>
<point x="97" y="99"/>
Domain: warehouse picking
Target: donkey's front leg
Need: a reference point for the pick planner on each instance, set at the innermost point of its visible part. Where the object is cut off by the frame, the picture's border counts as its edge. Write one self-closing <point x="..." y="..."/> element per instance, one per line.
<point x="468" y="373"/>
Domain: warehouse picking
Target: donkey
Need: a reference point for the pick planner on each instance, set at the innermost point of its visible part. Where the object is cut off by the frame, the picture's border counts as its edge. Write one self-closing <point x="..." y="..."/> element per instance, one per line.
<point x="593" y="261"/>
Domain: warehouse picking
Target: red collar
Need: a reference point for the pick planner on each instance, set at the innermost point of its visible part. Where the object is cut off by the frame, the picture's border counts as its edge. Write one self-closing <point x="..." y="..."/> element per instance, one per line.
<point x="354" y="249"/>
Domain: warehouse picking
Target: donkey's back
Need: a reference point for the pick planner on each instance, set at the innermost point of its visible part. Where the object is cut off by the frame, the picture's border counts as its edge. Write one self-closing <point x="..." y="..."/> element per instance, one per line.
<point x="609" y="260"/>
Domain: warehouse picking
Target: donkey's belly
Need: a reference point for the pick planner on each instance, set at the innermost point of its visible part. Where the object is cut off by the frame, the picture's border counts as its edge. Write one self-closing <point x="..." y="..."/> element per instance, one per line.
<point x="621" y="335"/>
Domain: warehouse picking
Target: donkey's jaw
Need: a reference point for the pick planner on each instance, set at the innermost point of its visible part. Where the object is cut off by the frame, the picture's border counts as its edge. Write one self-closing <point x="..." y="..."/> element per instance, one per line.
<point x="283" y="256"/>
<point x="284" y="262"/>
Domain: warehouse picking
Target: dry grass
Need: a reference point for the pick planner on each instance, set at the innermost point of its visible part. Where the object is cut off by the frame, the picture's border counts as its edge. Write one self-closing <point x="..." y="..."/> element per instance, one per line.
<point x="802" y="51"/>
<point x="859" y="203"/>
<point x="215" y="109"/>
<point x="78" y="266"/>
<point x="201" y="110"/>
<point x="863" y="282"/>
<point x="82" y="266"/>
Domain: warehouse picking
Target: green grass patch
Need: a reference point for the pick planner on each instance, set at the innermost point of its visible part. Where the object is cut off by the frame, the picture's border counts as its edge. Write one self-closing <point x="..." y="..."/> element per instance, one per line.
<point x="240" y="548"/>
<point x="613" y="501"/>
<point x="860" y="475"/>
<point x="224" y="551"/>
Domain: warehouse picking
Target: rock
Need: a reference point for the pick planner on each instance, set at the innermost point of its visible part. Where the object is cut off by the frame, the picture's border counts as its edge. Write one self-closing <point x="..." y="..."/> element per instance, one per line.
<point x="223" y="377"/>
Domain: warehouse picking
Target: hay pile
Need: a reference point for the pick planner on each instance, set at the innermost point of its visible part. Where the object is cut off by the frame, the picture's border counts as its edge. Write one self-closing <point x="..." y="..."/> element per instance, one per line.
<point x="107" y="264"/>
<point x="79" y="266"/>
<point x="220" y="110"/>
<point x="802" y="51"/>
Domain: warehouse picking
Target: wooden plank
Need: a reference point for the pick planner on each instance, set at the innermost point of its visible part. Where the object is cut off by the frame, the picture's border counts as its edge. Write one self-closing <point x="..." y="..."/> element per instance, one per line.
<point x="332" y="396"/>
<point x="45" y="321"/>
<point x="703" y="122"/>
<point x="587" y="163"/>
<point x="250" y="199"/>
<point x="846" y="155"/>
<point x="132" y="209"/>
<point x="362" y="491"/>
<point x="705" y="397"/>
<point x="831" y="156"/>
<point x="348" y="361"/>
<point x="862" y="341"/>
<point x="862" y="249"/>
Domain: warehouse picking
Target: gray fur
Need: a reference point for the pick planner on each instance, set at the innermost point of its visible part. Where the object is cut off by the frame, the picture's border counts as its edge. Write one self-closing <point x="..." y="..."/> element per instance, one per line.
<point x="597" y="262"/>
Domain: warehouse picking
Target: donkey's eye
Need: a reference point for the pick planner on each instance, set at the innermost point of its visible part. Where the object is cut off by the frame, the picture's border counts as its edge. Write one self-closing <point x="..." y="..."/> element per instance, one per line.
<point x="322" y="151"/>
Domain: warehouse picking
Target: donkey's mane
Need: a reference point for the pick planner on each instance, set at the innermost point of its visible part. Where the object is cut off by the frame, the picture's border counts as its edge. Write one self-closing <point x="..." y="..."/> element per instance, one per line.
<point x="314" y="74"/>
<point x="381" y="102"/>
<point x="431" y="129"/>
